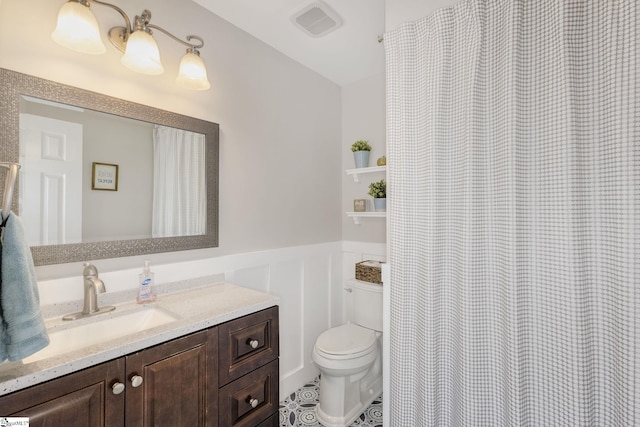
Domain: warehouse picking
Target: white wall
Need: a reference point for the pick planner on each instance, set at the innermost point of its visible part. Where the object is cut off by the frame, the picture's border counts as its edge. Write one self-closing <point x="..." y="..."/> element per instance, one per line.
<point x="363" y="117"/>
<point x="307" y="279"/>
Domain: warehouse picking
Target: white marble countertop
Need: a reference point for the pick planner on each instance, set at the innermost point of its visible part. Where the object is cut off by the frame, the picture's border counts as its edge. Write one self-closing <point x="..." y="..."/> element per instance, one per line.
<point x="195" y="309"/>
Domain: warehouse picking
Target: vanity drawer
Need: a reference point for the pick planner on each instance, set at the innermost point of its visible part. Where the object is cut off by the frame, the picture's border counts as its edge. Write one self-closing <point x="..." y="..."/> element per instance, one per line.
<point x="247" y="343"/>
<point x="250" y="399"/>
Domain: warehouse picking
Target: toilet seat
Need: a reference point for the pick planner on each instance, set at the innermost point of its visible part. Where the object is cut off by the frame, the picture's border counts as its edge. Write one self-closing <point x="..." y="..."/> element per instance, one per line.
<point x="346" y="341"/>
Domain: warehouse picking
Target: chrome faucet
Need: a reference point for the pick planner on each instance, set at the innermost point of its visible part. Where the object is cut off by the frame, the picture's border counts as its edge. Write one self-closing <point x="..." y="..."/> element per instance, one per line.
<point x="92" y="285"/>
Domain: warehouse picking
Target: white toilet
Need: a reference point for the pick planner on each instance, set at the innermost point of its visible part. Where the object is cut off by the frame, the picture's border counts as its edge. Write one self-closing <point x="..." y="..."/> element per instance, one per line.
<point x="350" y="358"/>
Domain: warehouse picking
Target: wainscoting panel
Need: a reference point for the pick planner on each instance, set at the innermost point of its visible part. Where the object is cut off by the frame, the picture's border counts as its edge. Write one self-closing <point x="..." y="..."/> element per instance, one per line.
<point x="317" y="314"/>
<point x="287" y="283"/>
<point x="307" y="279"/>
<point x="256" y="278"/>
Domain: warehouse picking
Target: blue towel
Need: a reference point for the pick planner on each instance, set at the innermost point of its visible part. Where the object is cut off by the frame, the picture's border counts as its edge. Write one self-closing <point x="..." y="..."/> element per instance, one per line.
<point x="22" y="330"/>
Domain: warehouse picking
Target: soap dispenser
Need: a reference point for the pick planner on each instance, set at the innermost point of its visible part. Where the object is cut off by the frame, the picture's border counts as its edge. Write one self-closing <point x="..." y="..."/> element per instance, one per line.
<point x="146" y="293"/>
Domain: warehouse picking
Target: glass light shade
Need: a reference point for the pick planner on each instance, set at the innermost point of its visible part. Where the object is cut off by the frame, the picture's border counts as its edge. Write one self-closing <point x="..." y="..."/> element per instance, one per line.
<point x="77" y="29"/>
<point x="192" y="73"/>
<point x="141" y="54"/>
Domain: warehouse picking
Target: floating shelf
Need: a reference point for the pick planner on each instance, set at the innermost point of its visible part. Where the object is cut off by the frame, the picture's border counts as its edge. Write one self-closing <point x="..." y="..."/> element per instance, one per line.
<point x="358" y="171"/>
<point x="358" y="215"/>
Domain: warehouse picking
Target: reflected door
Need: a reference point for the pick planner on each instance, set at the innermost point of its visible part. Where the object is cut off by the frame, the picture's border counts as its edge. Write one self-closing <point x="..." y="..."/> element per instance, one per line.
<point x="52" y="170"/>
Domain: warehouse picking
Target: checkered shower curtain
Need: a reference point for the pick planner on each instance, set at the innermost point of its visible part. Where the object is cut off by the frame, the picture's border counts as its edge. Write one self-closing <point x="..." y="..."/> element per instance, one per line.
<point x="514" y="215"/>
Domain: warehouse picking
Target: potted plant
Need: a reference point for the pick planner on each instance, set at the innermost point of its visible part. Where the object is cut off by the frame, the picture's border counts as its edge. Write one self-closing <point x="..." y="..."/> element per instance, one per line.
<point x="378" y="190"/>
<point x="361" y="150"/>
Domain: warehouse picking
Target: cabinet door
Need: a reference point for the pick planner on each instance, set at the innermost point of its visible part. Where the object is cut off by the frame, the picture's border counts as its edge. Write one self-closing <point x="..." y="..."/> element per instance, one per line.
<point x="81" y="399"/>
<point x="248" y="343"/>
<point x="174" y="384"/>
<point x="252" y="399"/>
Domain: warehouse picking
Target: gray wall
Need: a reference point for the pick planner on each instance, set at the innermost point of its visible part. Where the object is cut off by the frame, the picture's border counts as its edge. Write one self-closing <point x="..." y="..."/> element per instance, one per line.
<point x="280" y="123"/>
<point x="126" y="213"/>
<point x="363" y="117"/>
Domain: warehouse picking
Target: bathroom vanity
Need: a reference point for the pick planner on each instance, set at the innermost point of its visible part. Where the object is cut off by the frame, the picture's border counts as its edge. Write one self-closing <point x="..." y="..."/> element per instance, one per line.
<point x="216" y="364"/>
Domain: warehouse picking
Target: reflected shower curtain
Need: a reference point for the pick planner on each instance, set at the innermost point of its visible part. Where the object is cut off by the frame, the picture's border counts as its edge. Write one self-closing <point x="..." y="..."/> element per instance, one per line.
<point x="514" y="215"/>
<point x="179" y="183"/>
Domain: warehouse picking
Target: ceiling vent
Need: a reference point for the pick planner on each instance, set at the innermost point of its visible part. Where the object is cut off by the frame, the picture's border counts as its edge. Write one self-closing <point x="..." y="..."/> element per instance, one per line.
<point x="316" y="19"/>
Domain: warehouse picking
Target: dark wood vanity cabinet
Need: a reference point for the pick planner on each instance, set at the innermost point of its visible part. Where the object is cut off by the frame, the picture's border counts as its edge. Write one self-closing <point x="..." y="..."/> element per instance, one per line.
<point x="80" y="399"/>
<point x="223" y="376"/>
<point x="248" y="371"/>
<point x="174" y="384"/>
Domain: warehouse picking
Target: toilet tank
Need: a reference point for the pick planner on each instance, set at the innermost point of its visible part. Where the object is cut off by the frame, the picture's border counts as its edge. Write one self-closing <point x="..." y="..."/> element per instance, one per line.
<point x="364" y="304"/>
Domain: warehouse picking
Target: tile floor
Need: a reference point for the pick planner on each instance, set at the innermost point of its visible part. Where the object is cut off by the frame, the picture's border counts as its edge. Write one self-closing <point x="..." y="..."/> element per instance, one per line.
<point x="298" y="409"/>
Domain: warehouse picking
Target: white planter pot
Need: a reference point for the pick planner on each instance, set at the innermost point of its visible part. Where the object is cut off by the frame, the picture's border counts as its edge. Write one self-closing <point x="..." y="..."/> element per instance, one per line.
<point x="380" y="204"/>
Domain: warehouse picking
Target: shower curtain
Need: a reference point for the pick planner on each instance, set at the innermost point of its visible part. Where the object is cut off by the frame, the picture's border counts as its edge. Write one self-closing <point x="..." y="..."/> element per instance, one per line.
<point x="179" y="183"/>
<point x="514" y="215"/>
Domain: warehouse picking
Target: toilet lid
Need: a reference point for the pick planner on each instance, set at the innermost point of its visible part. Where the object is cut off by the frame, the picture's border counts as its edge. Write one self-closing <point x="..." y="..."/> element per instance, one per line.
<point x="345" y="339"/>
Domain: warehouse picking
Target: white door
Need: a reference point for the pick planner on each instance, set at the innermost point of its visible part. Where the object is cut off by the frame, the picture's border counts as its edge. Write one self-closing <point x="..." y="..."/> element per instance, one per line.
<point x="51" y="180"/>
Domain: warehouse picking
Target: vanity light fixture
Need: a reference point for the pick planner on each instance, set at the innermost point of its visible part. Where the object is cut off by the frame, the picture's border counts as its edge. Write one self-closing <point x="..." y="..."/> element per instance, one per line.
<point x="78" y="30"/>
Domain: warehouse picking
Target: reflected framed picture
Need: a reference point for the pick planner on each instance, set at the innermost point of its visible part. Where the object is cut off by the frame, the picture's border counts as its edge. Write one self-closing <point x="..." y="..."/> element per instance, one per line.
<point x="360" y="205"/>
<point x="104" y="176"/>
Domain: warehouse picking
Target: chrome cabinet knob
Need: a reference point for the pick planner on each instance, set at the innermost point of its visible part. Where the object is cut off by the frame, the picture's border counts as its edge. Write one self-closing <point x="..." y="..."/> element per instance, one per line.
<point x="253" y="343"/>
<point x="136" y="380"/>
<point x="253" y="402"/>
<point x="117" y="388"/>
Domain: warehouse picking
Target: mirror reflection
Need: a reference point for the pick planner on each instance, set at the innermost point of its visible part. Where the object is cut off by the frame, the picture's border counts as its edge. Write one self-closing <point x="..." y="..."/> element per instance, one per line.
<point x="89" y="176"/>
<point x="114" y="176"/>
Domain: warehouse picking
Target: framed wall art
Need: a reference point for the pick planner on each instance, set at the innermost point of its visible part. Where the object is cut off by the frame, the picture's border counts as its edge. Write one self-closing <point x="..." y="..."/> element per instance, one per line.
<point x="104" y="176"/>
<point x="360" y="205"/>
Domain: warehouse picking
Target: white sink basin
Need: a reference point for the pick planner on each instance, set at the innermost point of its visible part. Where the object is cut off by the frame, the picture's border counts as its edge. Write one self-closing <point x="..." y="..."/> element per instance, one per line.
<point x="99" y="329"/>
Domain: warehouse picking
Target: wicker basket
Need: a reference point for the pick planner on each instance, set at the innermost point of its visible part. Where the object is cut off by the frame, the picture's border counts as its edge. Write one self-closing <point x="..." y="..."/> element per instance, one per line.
<point x="369" y="271"/>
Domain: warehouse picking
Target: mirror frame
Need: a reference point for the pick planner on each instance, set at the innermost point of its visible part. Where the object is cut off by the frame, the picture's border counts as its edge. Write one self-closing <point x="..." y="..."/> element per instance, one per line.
<point x="14" y="84"/>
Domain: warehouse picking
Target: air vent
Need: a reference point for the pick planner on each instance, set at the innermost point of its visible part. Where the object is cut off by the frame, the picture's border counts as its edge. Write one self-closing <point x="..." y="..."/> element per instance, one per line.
<point x="316" y="19"/>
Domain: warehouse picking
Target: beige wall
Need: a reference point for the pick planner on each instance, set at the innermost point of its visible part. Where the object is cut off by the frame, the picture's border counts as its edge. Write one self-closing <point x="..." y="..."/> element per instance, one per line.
<point x="280" y="123"/>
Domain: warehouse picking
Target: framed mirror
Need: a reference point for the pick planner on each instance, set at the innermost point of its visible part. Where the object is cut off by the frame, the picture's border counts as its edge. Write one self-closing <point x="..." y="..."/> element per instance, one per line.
<point x="136" y="180"/>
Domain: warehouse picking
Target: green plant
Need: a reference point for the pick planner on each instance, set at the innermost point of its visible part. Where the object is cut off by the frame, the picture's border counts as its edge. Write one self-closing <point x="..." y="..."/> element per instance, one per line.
<point x="378" y="189"/>
<point x="361" y="145"/>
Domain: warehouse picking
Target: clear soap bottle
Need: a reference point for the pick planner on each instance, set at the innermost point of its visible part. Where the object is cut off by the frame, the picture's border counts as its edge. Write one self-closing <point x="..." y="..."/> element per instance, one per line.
<point x="146" y="293"/>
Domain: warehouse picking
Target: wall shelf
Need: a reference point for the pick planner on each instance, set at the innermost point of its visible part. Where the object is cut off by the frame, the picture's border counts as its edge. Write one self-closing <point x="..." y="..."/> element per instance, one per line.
<point x="357" y="216"/>
<point x="358" y="171"/>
